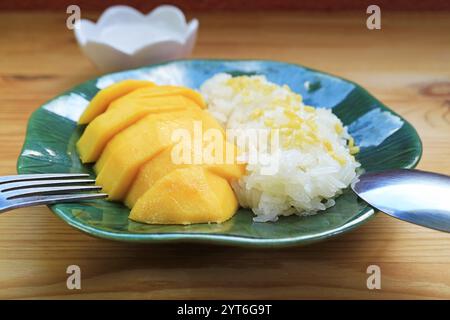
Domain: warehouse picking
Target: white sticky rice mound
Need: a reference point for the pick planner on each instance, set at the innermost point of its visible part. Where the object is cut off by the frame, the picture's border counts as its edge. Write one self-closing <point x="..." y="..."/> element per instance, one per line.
<point x="309" y="174"/>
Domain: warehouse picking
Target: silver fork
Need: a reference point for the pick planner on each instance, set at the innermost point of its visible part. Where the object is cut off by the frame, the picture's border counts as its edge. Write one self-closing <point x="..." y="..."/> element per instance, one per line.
<point x="36" y="189"/>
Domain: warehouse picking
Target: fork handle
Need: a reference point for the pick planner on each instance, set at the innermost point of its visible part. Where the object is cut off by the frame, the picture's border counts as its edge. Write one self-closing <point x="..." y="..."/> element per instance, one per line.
<point x="50" y="199"/>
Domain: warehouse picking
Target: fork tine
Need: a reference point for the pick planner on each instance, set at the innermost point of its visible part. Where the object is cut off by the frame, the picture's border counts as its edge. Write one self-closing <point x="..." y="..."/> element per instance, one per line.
<point x="29" y="177"/>
<point x="41" y="183"/>
<point x="38" y="191"/>
<point x="39" y="200"/>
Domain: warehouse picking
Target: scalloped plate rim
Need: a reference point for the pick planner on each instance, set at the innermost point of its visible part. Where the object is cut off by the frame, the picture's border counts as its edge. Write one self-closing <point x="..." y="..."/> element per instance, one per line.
<point x="218" y="238"/>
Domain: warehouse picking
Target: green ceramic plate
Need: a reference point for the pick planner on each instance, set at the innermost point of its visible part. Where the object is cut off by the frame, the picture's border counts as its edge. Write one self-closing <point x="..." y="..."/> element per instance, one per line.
<point x="387" y="141"/>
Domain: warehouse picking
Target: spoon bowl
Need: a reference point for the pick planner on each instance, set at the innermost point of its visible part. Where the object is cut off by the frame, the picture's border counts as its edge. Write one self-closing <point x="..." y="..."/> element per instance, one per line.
<point x="414" y="196"/>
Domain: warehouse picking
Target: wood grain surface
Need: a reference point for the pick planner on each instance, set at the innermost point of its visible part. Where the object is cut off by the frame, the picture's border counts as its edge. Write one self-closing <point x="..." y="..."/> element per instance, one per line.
<point x="406" y="65"/>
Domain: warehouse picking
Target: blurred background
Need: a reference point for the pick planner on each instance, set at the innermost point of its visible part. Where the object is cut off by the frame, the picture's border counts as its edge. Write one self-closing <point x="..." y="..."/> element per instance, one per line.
<point x="233" y="4"/>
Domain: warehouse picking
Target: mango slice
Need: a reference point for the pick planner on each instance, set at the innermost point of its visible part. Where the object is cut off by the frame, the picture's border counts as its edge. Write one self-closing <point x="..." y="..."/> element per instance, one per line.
<point x="146" y="93"/>
<point x="130" y="149"/>
<point x="185" y="196"/>
<point x="107" y="125"/>
<point x="139" y="133"/>
<point x="130" y="136"/>
<point x="104" y="97"/>
<point x="163" y="163"/>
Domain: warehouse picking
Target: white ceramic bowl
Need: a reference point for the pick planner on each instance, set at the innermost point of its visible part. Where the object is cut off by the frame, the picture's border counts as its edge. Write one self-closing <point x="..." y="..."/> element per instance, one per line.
<point x="124" y="38"/>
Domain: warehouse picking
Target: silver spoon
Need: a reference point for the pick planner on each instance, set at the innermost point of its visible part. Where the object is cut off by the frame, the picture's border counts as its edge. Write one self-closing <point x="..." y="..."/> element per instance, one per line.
<point x="415" y="196"/>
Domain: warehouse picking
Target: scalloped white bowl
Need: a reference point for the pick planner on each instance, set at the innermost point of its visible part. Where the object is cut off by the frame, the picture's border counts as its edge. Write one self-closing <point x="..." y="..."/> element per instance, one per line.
<point x="124" y="38"/>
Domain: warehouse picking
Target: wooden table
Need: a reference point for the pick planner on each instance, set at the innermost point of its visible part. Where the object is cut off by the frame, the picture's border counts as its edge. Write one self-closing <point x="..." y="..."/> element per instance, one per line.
<point x="406" y="65"/>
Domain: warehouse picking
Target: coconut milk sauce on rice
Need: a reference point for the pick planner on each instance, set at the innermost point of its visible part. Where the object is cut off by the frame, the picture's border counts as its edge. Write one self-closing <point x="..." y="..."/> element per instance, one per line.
<point x="315" y="157"/>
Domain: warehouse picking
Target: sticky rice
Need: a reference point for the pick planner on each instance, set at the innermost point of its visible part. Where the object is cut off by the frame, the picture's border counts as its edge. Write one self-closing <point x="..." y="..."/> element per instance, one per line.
<point x="315" y="159"/>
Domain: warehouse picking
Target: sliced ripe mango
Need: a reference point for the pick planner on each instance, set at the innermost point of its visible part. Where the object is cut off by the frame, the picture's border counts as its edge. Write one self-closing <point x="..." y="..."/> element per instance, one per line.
<point x="136" y="133"/>
<point x="163" y="163"/>
<point x="228" y="170"/>
<point x="104" y="97"/>
<point x="130" y="135"/>
<point x="108" y="124"/>
<point x="185" y="196"/>
<point x="129" y="150"/>
<point x="145" y="93"/>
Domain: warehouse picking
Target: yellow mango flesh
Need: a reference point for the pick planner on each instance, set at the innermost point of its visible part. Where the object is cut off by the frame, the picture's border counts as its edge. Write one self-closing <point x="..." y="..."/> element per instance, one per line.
<point x="130" y="149"/>
<point x="104" y="97"/>
<point x="107" y="125"/>
<point x="130" y="136"/>
<point x="139" y="135"/>
<point x="185" y="196"/>
<point x="146" y="93"/>
<point x="163" y="163"/>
